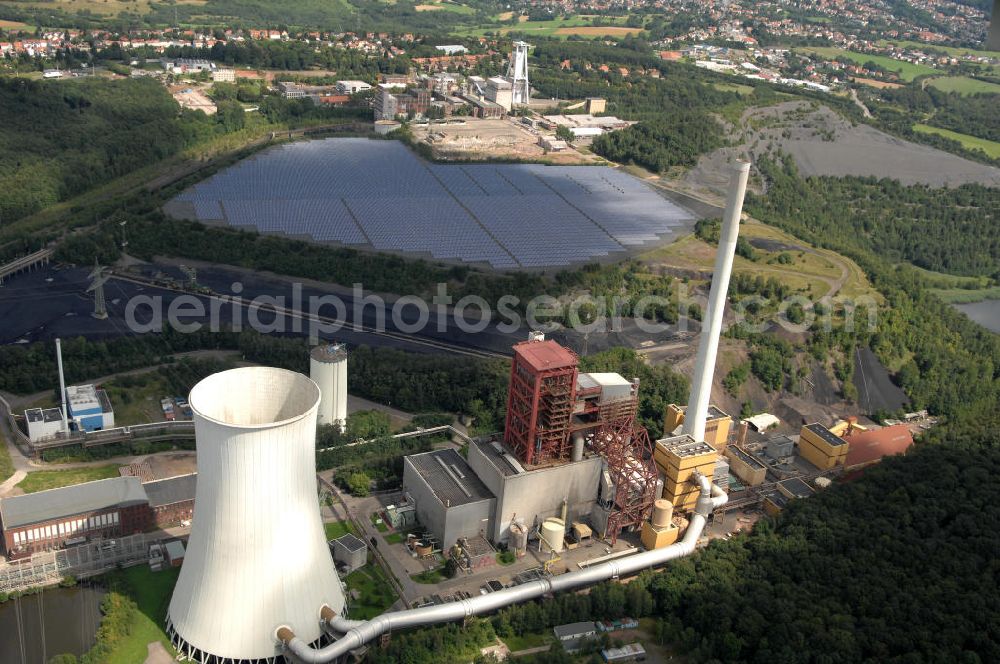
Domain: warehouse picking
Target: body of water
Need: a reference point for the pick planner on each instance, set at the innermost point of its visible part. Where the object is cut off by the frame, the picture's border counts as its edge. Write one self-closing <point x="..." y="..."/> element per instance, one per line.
<point x="986" y="313"/>
<point x="36" y="628"/>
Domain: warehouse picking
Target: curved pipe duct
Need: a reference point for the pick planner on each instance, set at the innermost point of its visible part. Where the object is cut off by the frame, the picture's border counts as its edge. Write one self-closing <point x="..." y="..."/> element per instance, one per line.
<point x="357" y="632"/>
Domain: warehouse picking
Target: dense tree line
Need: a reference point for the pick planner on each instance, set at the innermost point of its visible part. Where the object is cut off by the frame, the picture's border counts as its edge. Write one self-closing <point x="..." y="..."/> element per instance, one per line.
<point x="422" y="383"/>
<point x="897" y="566"/>
<point x="954" y="230"/>
<point x="61" y="138"/>
<point x="974" y="115"/>
<point x="658" y="145"/>
<point x="153" y="235"/>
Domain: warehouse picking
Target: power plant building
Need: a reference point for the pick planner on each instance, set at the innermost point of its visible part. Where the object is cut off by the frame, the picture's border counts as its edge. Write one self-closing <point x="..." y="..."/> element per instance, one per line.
<point x="48" y="520"/>
<point x="678" y="458"/>
<point x="89" y="407"/>
<point x="573" y="433"/>
<point x="500" y="91"/>
<point x="452" y="502"/>
<point x="516" y="488"/>
<point x="717" y="424"/>
<point x="43" y="423"/>
<point x="821" y="447"/>
<point x="349" y="551"/>
<point x="171" y="500"/>
<point x="743" y="465"/>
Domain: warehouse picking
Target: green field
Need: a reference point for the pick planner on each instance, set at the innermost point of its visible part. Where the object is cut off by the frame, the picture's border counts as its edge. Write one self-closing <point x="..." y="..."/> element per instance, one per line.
<point x="561" y="27"/>
<point x="950" y="50"/>
<point x="906" y="71"/>
<point x="6" y="464"/>
<point x="375" y="592"/>
<point x="965" y="296"/>
<point x="529" y="640"/>
<point x="151" y="592"/>
<point x="453" y="7"/>
<point x="41" y="480"/>
<point x="991" y="148"/>
<point x="964" y="85"/>
<point x="335" y="529"/>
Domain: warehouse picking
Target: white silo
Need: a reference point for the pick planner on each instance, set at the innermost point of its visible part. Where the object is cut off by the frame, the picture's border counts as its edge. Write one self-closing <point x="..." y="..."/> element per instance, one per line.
<point x="328" y="367"/>
<point x="257" y="557"/>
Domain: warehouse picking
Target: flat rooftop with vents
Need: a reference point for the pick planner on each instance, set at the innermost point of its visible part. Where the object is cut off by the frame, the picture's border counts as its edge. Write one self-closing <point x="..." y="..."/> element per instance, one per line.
<point x="452" y="502"/>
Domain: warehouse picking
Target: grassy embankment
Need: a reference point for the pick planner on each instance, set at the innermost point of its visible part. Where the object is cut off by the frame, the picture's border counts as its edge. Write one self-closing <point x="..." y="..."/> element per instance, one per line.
<point x="991" y="148"/>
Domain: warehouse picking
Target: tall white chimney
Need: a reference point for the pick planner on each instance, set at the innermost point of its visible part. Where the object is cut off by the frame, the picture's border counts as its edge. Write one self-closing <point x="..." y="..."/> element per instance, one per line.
<point x="257" y="557"/>
<point x="62" y="387"/>
<point x="708" y="347"/>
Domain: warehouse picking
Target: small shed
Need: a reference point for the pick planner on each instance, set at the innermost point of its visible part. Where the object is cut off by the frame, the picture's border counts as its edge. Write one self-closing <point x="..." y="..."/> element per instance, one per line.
<point x="174" y="550"/>
<point x="350" y="551"/>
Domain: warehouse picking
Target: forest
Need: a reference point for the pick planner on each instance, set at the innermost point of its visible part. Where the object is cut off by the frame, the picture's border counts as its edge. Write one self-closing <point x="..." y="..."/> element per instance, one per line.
<point x="59" y="139"/>
<point x="967" y="114"/>
<point x="953" y="230"/>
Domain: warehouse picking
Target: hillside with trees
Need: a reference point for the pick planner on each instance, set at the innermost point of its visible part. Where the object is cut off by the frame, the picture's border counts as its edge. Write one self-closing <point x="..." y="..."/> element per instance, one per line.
<point x="59" y="139"/>
<point x="953" y="230"/>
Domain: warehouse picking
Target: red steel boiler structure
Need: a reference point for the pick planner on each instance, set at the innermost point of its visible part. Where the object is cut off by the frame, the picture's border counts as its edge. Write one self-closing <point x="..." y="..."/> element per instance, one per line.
<point x="545" y="412"/>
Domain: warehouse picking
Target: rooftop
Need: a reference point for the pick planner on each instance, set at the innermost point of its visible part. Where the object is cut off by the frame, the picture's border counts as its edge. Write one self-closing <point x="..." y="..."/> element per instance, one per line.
<point x="66" y="501"/>
<point x="171" y="490"/>
<point x="82" y="398"/>
<point x="350" y="542"/>
<point x="329" y="352"/>
<point x="714" y="412"/>
<point x="501" y="458"/>
<point x="450" y="477"/>
<point x="545" y="355"/>
<point x="777" y="498"/>
<point x="872" y="445"/>
<point x="796" y="487"/>
<point x="828" y="436"/>
<point x="571" y="630"/>
<point x="43" y="415"/>
<point x="746" y="458"/>
<point x="685" y="446"/>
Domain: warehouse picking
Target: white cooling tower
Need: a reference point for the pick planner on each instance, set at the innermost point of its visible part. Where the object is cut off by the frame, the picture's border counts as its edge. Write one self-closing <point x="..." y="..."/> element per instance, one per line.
<point x="257" y="557"/>
<point x="328" y="367"/>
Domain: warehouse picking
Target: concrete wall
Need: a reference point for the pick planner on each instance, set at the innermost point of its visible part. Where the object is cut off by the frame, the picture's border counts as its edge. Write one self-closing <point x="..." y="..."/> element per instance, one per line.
<point x="538" y="493"/>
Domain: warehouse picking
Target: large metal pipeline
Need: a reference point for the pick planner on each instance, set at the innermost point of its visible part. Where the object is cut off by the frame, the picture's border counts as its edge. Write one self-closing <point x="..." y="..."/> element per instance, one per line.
<point x="357" y="633"/>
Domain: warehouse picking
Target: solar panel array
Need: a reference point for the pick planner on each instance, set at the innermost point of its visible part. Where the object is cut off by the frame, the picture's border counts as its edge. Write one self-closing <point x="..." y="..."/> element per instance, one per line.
<point x="355" y="191"/>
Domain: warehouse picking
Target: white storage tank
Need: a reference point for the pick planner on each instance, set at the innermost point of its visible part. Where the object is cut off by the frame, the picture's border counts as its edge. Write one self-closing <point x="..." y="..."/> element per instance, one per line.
<point x="328" y="369"/>
<point x="553" y="532"/>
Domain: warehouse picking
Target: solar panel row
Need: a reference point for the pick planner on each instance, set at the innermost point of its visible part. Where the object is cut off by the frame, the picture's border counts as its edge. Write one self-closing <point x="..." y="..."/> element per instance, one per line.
<point x="378" y="193"/>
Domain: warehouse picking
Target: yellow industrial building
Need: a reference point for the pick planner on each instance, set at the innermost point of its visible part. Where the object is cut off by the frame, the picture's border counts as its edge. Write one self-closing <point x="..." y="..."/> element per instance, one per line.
<point x="678" y="457"/>
<point x="821" y="447"/>
<point x="717" y="425"/>
<point x="742" y="464"/>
